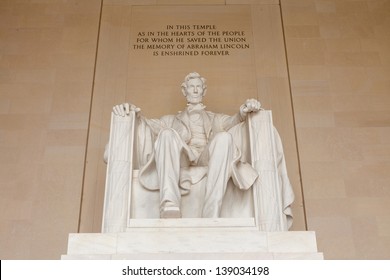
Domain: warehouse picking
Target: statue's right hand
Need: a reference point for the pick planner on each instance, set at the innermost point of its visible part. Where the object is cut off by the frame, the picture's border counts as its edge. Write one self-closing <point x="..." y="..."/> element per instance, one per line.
<point x="124" y="109"/>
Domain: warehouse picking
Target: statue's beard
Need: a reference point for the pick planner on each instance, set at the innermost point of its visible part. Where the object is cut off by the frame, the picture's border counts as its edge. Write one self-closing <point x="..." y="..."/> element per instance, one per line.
<point x="194" y="100"/>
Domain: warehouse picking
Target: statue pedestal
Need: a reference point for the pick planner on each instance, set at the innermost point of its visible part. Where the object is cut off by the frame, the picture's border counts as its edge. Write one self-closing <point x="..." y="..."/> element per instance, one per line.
<point x="193" y="239"/>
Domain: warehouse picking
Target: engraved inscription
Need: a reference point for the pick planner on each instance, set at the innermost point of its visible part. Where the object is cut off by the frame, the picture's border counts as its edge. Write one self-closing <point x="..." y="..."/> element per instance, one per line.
<point x="190" y="40"/>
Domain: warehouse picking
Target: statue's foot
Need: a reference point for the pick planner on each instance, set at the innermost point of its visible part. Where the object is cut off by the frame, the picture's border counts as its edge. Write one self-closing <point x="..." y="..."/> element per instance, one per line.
<point x="170" y="212"/>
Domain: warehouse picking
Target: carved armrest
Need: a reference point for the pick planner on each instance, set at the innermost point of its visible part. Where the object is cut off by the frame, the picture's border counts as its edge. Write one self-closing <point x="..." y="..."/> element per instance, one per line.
<point x="272" y="196"/>
<point x="119" y="156"/>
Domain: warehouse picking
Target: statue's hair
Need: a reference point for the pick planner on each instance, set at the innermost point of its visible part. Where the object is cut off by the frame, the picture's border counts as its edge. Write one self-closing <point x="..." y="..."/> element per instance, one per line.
<point x="193" y="75"/>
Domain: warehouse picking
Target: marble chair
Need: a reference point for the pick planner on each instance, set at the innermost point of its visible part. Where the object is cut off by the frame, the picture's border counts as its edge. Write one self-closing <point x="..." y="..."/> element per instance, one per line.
<point x="267" y="202"/>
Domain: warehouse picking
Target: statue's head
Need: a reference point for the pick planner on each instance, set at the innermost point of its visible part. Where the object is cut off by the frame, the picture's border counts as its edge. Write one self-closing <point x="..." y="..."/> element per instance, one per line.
<point x="194" y="88"/>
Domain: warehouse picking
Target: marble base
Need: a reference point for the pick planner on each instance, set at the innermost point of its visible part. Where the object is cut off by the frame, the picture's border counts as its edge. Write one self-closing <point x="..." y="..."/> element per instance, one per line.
<point x="193" y="239"/>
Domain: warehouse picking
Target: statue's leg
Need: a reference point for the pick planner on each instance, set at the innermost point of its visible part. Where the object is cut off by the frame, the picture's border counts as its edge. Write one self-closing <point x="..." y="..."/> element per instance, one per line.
<point x="168" y="148"/>
<point x="220" y="151"/>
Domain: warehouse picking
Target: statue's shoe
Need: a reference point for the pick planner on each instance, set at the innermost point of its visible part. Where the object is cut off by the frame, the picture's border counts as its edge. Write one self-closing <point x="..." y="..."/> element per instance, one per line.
<point x="170" y="212"/>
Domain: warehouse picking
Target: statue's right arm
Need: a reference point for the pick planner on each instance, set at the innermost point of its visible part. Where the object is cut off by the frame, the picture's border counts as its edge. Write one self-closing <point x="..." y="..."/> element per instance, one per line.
<point x="155" y="125"/>
<point x="124" y="109"/>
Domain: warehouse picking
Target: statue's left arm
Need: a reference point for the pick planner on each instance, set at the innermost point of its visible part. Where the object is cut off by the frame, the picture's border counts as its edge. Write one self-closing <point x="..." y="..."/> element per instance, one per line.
<point x="250" y="105"/>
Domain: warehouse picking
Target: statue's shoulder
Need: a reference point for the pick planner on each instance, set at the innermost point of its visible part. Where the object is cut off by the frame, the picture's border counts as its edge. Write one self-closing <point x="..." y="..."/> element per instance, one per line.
<point x="211" y="114"/>
<point x="180" y="114"/>
<point x="167" y="118"/>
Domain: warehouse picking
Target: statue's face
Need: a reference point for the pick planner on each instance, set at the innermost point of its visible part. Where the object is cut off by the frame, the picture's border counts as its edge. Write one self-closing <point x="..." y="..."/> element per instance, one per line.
<point x="194" y="91"/>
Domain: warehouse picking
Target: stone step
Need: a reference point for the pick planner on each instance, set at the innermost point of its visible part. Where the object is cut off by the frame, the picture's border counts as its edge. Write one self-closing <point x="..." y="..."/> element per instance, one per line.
<point x="189" y="242"/>
<point x="198" y="256"/>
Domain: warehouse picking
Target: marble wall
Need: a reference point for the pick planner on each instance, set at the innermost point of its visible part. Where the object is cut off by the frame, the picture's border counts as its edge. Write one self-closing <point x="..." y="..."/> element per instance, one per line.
<point x="47" y="59"/>
<point x="322" y="66"/>
<point x="339" y="64"/>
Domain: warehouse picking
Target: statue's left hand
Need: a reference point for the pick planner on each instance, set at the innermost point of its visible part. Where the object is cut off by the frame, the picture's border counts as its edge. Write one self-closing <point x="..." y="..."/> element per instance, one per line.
<point x="250" y="105"/>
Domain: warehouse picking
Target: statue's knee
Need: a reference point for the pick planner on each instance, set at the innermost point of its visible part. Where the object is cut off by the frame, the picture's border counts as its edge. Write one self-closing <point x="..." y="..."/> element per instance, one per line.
<point x="166" y="133"/>
<point x="223" y="138"/>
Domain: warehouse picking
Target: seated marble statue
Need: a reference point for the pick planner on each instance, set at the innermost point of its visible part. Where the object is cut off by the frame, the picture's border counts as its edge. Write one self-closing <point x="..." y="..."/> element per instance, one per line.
<point x="172" y="145"/>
